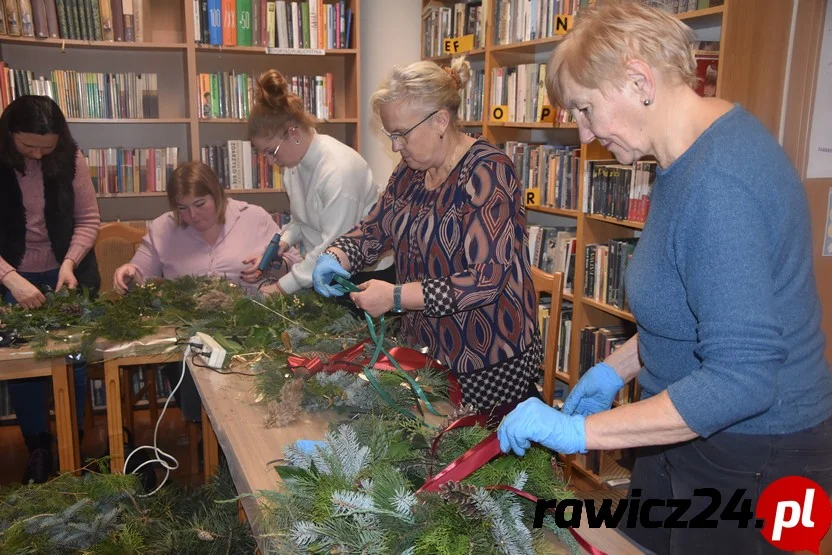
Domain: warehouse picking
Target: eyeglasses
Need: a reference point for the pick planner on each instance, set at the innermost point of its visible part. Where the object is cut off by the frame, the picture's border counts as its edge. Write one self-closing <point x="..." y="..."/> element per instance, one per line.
<point x="401" y="138"/>
<point x="273" y="154"/>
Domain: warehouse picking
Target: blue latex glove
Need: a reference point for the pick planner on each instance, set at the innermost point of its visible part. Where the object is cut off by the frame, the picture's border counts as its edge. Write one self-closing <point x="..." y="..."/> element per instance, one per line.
<point x="308" y="446"/>
<point x="594" y="392"/>
<point x="326" y="268"/>
<point x="534" y="420"/>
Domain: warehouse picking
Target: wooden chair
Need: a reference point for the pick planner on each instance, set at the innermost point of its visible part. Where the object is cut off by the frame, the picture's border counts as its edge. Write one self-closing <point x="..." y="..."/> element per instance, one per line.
<point x="115" y="245"/>
<point x="553" y="285"/>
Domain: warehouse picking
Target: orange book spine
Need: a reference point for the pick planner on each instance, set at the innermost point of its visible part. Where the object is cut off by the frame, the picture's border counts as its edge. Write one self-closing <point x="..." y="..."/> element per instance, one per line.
<point x="229" y="22"/>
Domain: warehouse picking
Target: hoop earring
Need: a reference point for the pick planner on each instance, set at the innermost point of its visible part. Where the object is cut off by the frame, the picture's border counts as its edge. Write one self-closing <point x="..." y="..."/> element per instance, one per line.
<point x="297" y="141"/>
<point x="646" y="101"/>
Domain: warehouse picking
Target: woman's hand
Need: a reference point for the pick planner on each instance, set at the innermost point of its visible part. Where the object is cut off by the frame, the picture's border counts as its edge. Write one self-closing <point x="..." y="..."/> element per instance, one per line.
<point x="27" y="295"/>
<point x="272" y="289"/>
<point x="66" y="276"/>
<point x="376" y="297"/>
<point x="326" y="268"/>
<point x="251" y="273"/>
<point x="124" y="276"/>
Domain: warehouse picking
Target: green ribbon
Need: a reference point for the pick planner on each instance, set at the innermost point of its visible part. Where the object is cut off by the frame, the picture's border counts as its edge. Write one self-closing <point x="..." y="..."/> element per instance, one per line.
<point x="378" y="341"/>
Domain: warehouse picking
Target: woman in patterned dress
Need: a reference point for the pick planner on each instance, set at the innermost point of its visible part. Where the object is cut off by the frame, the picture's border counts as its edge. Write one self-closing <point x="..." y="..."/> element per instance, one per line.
<point x="452" y="214"/>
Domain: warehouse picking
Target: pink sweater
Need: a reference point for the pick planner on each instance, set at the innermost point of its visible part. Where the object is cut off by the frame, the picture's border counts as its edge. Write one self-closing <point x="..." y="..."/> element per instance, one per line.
<point x="39" y="256"/>
<point x="171" y="251"/>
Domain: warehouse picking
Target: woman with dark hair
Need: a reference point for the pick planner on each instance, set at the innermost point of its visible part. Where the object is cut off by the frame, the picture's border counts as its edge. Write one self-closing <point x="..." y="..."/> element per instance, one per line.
<point x="48" y="224"/>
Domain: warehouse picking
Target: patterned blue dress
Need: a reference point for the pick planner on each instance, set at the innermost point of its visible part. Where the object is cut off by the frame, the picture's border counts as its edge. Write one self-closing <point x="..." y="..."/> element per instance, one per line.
<point x="466" y="243"/>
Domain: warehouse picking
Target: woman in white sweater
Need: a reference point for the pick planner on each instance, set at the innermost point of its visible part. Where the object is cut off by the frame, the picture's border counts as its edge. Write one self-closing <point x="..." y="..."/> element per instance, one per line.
<point x="330" y="185"/>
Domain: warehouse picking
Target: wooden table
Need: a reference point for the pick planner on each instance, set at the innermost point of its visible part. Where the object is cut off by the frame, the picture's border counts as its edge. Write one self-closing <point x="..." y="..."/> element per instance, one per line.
<point x="22" y="363"/>
<point x="231" y="420"/>
<point x="157" y="349"/>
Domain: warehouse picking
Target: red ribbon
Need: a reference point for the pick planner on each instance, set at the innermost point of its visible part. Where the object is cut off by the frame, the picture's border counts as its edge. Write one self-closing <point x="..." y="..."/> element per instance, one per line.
<point x="466" y="464"/>
<point x="353" y="359"/>
<point x="465" y="421"/>
<point x="474" y="459"/>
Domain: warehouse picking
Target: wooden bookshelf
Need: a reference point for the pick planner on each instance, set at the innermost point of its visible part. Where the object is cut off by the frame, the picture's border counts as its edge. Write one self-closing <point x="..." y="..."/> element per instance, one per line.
<point x="170" y="50"/>
<point x="756" y="82"/>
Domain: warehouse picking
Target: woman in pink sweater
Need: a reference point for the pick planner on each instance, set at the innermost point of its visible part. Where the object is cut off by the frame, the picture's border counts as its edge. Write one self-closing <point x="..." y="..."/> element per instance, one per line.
<point x="205" y="233"/>
<point x="48" y="224"/>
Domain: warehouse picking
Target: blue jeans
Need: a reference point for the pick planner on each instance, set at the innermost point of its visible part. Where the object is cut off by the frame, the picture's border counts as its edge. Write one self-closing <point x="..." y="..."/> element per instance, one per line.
<point x="28" y="396"/>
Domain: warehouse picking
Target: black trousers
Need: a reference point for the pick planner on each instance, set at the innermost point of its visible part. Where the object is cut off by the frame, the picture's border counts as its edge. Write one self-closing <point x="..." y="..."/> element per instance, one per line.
<point x="726" y="462"/>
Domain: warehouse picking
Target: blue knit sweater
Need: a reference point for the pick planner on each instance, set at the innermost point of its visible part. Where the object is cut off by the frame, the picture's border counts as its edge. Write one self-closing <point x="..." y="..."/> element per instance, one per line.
<point x="723" y="290"/>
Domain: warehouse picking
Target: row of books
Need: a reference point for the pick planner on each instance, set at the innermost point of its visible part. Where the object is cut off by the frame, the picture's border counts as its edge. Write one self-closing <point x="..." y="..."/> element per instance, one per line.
<point x="239" y="166"/>
<point x="274" y="24"/>
<point x="441" y="22"/>
<point x="617" y="190"/>
<point x="597" y="343"/>
<point x="102" y="20"/>
<point x="131" y="170"/>
<point x="87" y="95"/>
<point x="552" y="249"/>
<point x="522" y="91"/>
<point x="551" y="169"/>
<point x="544" y="309"/>
<point x="471" y="107"/>
<point x="231" y="95"/>
<point x="605" y="267"/>
<point x="683" y="6"/>
<point x="522" y="20"/>
<point x="98" y="391"/>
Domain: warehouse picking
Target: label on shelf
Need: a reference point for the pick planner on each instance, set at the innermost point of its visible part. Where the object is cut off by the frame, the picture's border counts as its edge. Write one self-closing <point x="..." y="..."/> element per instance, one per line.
<point x="563" y="23"/>
<point x="532" y="195"/>
<point x="296" y="51"/>
<point x="499" y="113"/>
<point x="458" y="45"/>
<point x="547" y="114"/>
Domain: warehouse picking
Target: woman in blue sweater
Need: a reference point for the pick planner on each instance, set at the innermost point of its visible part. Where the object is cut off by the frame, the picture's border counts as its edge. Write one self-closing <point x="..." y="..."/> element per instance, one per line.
<point x="736" y="392"/>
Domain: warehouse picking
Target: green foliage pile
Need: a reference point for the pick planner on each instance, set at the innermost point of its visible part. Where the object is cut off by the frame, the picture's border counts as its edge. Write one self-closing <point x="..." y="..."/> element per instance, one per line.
<point x="357" y="494"/>
<point x="103" y="514"/>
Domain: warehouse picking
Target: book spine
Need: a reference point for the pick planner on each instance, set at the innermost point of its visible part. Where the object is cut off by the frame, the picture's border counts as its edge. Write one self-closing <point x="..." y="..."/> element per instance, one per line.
<point x="27" y="23"/>
<point x="229" y="22"/>
<point x="12" y="17"/>
<point x="83" y="30"/>
<point x="3" y="29"/>
<point x="138" y="21"/>
<point x="52" y="19"/>
<point x="118" y="20"/>
<point x="129" y="20"/>
<point x="205" y="23"/>
<point x="243" y="9"/>
<point x="39" y="15"/>
<point x="106" y="15"/>
<point x="215" y="21"/>
<point x="95" y="11"/>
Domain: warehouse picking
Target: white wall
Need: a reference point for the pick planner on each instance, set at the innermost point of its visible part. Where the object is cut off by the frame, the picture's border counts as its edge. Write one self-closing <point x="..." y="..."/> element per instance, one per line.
<point x="390" y="35"/>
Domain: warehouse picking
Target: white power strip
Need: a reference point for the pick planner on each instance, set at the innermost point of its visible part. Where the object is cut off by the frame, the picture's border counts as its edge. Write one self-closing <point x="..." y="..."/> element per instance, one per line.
<point x="210" y="350"/>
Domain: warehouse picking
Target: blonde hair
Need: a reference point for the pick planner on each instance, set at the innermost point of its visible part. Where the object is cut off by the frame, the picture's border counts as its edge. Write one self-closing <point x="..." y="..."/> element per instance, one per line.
<point x="195" y="179"/>
<point x="596" y="50"/>
<point x="276" y="107"/>
<point x="426" y="85"/>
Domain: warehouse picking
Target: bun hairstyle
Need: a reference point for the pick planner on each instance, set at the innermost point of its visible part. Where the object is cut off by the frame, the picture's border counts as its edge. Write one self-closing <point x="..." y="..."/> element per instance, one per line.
<point x="425" y="84"/>
<point x="276" y="107"/>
